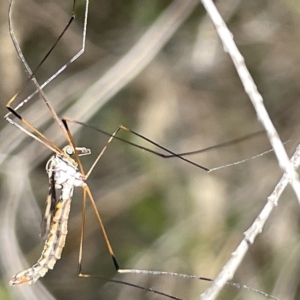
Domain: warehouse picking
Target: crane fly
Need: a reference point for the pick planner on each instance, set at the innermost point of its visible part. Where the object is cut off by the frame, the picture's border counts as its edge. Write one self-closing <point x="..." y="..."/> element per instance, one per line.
<point x="65" y="170"/>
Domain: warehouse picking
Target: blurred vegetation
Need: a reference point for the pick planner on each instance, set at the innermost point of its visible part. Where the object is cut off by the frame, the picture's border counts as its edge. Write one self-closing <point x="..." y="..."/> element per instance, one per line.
<point x="159" y="214"/>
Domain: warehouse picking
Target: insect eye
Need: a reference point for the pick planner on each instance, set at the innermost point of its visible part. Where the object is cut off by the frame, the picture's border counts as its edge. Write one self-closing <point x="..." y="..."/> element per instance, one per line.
<point x="69" y="150"/>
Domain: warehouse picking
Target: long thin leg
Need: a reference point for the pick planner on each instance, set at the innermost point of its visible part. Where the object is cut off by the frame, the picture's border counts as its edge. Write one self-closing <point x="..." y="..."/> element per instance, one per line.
<point x="38" y="135"/>
<point x="136" y="145"/>
<point x="193" y="277"/>
<point x="102" y="152"/>
<point x="68" y="63"/>
<point x="42" y="139"/>
<point x="82" y="233"/>
<point x="171" y="153"/>
<point x="29" y="125"/>
<point x="87" y="192"/>
<point x="222" y="145"/>
<point x="22" y="58"/>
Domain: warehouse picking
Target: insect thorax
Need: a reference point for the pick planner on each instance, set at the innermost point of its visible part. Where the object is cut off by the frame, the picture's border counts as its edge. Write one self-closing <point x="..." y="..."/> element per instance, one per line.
<point x="64" y="171"/>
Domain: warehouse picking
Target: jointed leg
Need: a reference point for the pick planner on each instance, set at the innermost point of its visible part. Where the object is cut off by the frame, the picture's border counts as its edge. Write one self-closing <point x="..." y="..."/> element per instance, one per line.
<point x="102" y="152"/>
<point x="87" y="192"/>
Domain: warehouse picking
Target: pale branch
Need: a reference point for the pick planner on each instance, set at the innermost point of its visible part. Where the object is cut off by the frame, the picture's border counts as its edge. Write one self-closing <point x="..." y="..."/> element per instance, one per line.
<point x="290" y="175"/>
<point x="236" y="257"/>
<point x="251" y="90"/>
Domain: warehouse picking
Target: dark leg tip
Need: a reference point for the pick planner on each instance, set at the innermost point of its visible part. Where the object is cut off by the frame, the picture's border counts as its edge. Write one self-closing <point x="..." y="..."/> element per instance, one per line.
<point x="115" y="263"/>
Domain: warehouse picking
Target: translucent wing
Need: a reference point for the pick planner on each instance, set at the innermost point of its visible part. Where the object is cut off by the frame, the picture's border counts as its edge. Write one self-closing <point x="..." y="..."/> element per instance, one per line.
<point x="51" y="202"/>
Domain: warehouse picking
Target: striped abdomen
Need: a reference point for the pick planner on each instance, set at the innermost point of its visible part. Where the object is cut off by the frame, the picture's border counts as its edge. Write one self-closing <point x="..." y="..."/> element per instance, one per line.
<point x="54" y="244"/>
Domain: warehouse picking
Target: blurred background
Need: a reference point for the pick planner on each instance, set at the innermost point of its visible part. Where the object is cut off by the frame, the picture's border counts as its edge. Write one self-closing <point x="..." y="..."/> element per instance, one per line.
<point x="158" y="68"/>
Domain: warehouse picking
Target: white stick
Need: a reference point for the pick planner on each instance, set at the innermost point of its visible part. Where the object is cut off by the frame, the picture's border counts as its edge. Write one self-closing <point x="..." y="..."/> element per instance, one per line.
<point x="250" y="235"/>
<point x="290" y="174"/>
<point x="251" y="89"/>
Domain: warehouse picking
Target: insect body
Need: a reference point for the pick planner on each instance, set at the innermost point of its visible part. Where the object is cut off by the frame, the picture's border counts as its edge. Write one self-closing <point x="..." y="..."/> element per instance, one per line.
<point x="63" y="176"/>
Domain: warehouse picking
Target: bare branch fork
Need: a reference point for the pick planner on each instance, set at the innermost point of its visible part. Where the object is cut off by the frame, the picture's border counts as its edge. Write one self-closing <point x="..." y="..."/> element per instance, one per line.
<point x="251" y="90"/>
<point x="250" y="235"/>
<point x="290" y="176"/>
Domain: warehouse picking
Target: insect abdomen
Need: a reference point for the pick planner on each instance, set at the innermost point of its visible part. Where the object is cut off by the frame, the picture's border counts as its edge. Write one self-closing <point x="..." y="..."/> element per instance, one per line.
<point x="53" y="246"/>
